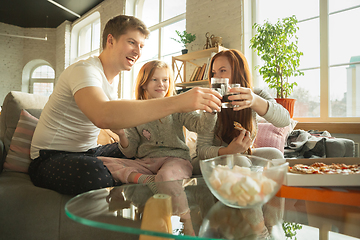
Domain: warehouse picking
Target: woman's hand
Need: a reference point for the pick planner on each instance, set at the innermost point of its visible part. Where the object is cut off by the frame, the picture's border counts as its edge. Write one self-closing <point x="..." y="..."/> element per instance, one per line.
<point x="238" y="145"/>
<point x="246" y="98"/>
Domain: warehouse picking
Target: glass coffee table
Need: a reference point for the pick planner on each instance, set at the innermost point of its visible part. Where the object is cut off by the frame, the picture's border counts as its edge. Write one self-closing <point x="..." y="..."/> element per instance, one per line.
<point x="187" y="210"/>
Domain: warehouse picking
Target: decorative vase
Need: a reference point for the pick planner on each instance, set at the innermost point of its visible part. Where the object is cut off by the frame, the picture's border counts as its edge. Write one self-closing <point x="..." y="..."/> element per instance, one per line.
<point x="184" y="51"/>
<point x="288" y="104"/>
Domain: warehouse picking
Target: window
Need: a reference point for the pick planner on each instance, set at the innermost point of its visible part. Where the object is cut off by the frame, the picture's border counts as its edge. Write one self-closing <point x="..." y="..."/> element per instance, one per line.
<point x="86" y="38"/>
<point x="42" y="80"/>
<point x="162" y="17"/>
<point x="329" y="91"/>
<point x="89" y="39"/>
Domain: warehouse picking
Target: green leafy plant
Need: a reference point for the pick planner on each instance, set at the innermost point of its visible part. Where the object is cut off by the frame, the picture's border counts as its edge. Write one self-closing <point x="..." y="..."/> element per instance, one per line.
<point x="290" y="229"/>
<point x="185" y="38"/>
<point x="276" y="44"/>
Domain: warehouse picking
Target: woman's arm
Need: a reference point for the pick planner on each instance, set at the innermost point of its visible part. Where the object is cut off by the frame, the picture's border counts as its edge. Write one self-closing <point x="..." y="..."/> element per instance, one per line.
<point x="262" y="103"/>
<point x="276" y="113"/>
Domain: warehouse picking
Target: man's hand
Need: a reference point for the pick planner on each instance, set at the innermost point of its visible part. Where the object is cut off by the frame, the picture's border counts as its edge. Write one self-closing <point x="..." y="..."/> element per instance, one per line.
<point x="199" y="99"/>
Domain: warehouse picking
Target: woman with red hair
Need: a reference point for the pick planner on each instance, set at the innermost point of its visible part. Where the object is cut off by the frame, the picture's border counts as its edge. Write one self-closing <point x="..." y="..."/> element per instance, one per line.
<point x="247" y="104"/>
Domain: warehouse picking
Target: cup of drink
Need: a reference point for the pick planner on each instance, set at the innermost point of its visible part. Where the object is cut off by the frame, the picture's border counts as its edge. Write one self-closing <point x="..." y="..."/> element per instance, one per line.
<point x="220" y="85"/>
<point x="226" y="103"/>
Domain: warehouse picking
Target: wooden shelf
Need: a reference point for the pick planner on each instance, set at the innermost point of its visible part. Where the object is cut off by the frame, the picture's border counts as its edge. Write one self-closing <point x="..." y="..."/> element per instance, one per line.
<point x="179" y="65"/>
<point x="198" y="54"/>
<point x="193" y="84"/>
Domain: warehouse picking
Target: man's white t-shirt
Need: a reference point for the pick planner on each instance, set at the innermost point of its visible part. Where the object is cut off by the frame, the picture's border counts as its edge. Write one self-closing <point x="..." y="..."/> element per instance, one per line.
<point x="62" y="125"/>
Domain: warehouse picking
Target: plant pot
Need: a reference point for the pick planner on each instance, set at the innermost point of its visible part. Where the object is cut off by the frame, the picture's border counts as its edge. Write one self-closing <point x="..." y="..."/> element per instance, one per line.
<point x="184" y="51"/>
<point x="287" y="103"/>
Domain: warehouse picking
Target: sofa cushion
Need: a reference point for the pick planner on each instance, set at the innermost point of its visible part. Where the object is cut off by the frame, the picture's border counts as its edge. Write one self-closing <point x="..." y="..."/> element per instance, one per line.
<point x="270" y="136"/>
<point x="13" y="103"/>
<point x="18" y="157"/>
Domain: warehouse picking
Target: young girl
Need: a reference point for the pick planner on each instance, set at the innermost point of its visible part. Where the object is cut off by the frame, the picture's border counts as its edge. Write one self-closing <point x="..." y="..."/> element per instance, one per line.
<point x="158" y="147"/>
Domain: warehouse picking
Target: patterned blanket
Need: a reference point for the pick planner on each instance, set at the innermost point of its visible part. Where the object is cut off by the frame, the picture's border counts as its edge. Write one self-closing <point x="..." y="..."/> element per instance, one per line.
<point x="306" y="144"/>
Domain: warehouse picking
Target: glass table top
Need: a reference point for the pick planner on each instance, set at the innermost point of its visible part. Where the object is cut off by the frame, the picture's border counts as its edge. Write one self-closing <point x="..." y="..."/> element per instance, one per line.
<point x="187" y="210"/>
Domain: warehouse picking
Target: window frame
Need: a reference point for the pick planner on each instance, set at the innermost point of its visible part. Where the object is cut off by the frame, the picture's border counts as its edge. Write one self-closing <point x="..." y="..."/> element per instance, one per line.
<point x="250" y="18"/>
<point x="136" y="10"/>
<point x="40" y="80"/>
<point x="75" y="37"/>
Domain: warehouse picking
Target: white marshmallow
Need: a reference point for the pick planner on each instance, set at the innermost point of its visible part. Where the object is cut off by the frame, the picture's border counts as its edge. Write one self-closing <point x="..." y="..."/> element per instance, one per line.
<point x="226" y="188"/>
<point x="268" y="186"/>
<point x="241" y="170"/>
<point x="250" y="186"/>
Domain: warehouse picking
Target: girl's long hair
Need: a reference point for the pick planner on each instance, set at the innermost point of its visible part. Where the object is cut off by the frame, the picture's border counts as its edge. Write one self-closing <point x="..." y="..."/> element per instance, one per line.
<point x="240" y="73"/>
<point x="146" y="73"/>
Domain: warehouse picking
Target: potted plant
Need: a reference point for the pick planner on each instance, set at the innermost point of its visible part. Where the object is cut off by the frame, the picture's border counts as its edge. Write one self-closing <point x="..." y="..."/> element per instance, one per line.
<point x="290" y="229"/>
<point x="185" y="39"/>
<point x="276" y="44"/>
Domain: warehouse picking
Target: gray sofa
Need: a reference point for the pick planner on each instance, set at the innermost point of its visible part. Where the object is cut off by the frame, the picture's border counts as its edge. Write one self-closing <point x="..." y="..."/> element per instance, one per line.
<point x="29" y="212"/>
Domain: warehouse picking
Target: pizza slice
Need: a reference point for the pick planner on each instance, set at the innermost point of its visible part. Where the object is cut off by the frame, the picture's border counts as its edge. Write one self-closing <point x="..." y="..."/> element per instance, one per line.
<point x="322" y="168"/>
<point x="304" y="169"/>
<point x="238" y="126"/>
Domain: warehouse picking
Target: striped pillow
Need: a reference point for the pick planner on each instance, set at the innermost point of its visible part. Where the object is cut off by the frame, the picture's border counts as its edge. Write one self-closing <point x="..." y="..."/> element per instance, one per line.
<point x="18" y="157"/>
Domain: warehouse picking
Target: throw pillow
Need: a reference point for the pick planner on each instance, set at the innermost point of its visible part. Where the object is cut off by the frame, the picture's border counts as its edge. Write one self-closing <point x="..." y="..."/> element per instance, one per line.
<point x="270" y="136"/>
<point x="18" y="157"/>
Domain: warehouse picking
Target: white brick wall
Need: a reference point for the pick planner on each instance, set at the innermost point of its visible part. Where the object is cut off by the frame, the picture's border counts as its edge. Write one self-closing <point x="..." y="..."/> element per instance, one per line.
<point x="218" y="17"/>
<point x="11" y="59"/>
<point x="221" y="18"/>
<point x="17" y="52"/>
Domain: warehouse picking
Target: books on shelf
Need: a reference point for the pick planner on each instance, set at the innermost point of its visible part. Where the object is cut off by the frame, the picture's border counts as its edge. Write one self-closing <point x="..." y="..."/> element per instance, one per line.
<point x="198" y="73"/>
<point x="201" y="74"/>
<point x="207" y="67"/>
<point x="195" y="74"/>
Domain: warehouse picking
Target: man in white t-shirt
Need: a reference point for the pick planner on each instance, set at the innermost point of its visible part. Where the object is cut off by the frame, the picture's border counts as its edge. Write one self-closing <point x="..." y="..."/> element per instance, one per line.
<point x="64" y="147"/>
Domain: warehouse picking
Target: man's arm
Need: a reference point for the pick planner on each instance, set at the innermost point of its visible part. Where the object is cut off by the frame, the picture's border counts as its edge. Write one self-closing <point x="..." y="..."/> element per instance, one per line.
<point x="117" y="114"/>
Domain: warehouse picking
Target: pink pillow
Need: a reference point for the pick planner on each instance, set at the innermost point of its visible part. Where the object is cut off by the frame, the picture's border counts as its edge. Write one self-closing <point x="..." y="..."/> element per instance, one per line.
<point x="270" y="136"/>
<point x="18" y="157"/>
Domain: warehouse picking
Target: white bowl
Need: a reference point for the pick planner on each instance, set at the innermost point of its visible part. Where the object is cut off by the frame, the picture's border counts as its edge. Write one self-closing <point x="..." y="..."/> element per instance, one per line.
<point x="243" y="181"/>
